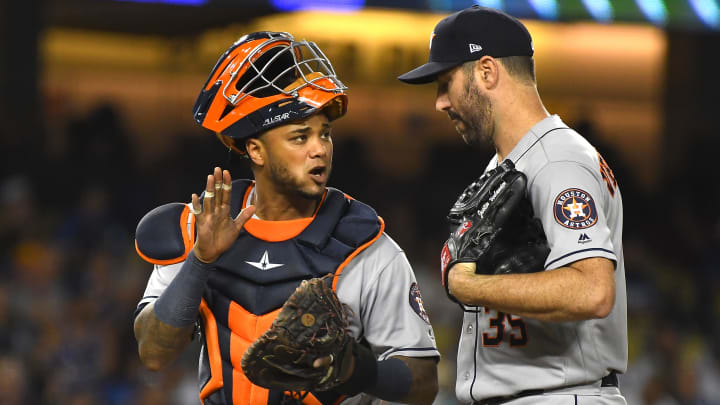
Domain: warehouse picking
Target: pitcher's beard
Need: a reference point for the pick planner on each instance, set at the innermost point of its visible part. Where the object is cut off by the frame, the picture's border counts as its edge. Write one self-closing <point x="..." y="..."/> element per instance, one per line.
<point x="479" y="126"/>
<point x="476" y="115"/>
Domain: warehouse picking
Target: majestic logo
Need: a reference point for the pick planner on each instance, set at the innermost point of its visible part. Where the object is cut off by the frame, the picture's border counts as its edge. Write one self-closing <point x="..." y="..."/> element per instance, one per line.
<point x="275" y="119"/>
<point x="584" y="238"/>
<point x="575" y="209"/>
<point x="475" y="48"/>
<point x="416" y="302"/>
<point x="264" y="263"/>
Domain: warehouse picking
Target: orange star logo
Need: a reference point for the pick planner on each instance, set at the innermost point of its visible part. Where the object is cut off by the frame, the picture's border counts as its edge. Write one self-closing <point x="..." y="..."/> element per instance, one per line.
<point x="575" y="209"/>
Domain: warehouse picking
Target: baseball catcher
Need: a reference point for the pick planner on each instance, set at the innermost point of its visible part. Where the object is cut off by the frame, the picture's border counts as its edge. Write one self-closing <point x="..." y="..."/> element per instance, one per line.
<point x="492" y="225"/>
<point x="227" y="262"/>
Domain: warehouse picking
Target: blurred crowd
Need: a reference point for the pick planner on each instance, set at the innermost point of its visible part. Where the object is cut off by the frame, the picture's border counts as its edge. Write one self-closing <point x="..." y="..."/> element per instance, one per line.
<point x="70" y="278"/>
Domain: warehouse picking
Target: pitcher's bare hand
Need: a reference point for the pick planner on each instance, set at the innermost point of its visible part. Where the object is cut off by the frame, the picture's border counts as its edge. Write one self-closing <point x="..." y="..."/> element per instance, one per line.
<point x="216" y="231"/>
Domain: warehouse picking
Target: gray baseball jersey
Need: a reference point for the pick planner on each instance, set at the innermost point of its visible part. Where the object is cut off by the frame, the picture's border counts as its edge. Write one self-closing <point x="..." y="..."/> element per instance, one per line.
<point x="380" y="287"/>
<point x="577" y="198"/>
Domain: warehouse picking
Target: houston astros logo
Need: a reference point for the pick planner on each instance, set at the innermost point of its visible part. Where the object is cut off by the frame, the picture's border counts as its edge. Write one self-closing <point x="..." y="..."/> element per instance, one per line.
<point x="575" y="209"/>
<point x="416" y="302"/>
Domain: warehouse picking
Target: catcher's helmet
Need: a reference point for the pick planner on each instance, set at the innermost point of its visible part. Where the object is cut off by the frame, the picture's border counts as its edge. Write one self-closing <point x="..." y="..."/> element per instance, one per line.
<point x="266" y="79"/>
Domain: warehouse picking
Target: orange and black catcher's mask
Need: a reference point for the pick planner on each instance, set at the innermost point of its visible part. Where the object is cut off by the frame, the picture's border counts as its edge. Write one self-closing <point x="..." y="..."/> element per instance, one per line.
<point x="266" y="79"/>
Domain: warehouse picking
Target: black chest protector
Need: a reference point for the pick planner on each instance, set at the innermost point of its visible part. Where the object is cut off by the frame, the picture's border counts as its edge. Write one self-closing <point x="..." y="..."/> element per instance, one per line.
<point x="260" y="275"/>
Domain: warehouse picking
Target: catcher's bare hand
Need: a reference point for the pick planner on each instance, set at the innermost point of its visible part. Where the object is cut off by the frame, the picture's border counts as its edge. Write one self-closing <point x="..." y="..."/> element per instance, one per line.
<point x="216" y="230"/>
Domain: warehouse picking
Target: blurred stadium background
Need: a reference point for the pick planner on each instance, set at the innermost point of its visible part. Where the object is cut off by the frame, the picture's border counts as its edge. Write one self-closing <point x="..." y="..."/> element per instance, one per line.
<point x="95" y="105"/>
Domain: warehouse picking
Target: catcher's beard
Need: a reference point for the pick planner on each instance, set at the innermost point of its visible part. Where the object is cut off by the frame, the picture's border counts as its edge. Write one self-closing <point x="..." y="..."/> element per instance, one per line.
<point x="286" y="182"/>
<point x="476" y="114"/>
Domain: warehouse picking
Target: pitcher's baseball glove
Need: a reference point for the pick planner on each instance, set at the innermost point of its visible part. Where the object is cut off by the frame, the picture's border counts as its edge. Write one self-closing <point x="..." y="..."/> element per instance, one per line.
<point x="492" y="225"/>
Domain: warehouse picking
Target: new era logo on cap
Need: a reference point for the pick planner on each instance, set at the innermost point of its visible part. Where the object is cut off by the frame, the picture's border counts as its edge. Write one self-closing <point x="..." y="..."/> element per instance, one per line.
<point x="456" y="39"/>
<point x="475" y="48"/>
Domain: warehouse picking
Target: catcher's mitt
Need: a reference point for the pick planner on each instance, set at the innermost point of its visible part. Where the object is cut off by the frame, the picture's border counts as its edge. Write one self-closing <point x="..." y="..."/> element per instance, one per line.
<point x="492" y="225"/>
<point x="311" y="324"/>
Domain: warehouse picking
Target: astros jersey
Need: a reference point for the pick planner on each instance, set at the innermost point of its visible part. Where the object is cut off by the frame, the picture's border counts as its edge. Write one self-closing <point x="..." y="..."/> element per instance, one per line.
<point x="378" y="285"/>
<point x="577" y="198"/>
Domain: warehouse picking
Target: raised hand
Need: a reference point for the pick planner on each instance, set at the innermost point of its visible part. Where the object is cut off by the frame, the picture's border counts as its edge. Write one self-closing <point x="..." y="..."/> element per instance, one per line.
<point x="216" y="230"/>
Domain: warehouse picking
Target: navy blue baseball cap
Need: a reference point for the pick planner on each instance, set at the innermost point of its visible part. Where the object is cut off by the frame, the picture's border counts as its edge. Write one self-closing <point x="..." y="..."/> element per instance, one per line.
<point x="470" y="34"/>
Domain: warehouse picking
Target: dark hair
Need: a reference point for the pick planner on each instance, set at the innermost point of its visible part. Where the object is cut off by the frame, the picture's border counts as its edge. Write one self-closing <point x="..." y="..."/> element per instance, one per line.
<point x="520" y="67"/>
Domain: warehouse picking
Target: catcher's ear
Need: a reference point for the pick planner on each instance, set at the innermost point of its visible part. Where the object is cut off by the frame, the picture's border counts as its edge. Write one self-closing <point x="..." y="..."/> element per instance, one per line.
<point x="255" y="151"/>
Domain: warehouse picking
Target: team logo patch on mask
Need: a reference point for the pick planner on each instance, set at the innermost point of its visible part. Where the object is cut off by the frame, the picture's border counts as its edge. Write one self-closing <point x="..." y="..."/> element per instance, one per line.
<point x="416" y="302"/>
<point x="575" y="209"/>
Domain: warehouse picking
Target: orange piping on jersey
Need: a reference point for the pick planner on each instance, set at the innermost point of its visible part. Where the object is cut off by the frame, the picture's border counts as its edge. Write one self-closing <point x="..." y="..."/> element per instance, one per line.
<point x="188" y="237"/>
<point x="356" y="252"/>
<point x="213" y="348"/>
<point x="278" y="231"/>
